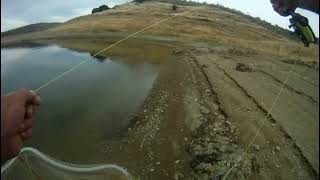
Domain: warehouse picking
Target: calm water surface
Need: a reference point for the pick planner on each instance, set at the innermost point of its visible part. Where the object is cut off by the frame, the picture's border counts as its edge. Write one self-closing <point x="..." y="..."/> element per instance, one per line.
<point x="82" y="109"/>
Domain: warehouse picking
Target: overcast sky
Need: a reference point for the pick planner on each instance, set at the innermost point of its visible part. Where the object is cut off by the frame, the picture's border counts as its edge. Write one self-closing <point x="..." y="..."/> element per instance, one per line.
<point x="16" y="13"/>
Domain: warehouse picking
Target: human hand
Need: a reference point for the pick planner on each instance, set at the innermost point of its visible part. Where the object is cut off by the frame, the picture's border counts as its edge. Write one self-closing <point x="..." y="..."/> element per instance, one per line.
<point x="17" y="109"/>
<point x="284" y="6"/>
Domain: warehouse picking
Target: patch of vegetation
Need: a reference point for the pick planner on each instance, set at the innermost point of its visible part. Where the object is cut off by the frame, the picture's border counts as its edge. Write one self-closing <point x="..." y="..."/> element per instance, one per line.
<point x="100" y="9"/>
<point x="30" y="28"/>
<point x="174" y="7"/>
<point x="273" y="28"/>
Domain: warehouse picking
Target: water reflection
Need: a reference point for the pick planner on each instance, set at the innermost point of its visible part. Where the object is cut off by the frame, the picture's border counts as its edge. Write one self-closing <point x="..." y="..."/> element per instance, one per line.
<point x="82" y="109"/>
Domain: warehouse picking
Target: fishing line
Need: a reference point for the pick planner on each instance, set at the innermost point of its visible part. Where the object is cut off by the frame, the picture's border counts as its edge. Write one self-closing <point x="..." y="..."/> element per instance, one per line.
<point x="263" y="122"/>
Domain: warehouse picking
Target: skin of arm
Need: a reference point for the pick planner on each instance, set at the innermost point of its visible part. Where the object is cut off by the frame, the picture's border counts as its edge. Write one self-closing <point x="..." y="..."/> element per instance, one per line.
<point x="17" y="110"/>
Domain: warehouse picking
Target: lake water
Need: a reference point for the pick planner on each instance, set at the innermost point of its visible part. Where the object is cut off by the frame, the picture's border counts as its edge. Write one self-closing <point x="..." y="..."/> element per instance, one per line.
<point x="82" y="109"/>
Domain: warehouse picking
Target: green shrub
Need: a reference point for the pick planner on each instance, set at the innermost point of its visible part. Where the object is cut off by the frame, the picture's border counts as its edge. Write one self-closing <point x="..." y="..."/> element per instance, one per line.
<point x="174" y="7"/>
<point x="100" y="9"/>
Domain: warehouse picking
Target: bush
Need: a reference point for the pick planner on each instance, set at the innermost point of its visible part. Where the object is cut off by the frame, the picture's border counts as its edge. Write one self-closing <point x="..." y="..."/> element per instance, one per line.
<point x="174" y="7"/>
<point x="139" y="1"/>
<point x="100" y="9"/>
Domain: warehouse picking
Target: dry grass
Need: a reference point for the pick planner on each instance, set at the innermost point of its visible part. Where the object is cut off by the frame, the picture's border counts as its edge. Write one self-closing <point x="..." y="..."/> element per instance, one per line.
<point x="133" y="51"/>
<point x="207" y="24"/>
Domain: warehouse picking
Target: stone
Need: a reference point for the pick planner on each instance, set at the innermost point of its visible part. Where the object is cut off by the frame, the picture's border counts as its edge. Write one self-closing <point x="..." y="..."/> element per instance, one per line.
<point x="243" y="67"/>
<point x="221" y="117"/>
<point x="256" y="147"/>
<point x="278" y="148"/>
<point x="204" y="110"/>
<point x="215" y="106"/>
<point x="178" y="176"/>
<point x="208" y="91"/>
<point x="177" y="161"/>
<point x="151" y="170"/>
<point x="158" y="163"/>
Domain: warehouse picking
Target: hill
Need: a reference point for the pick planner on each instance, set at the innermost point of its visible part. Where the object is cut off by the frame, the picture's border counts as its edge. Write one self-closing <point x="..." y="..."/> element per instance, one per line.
<point x="30" y="28"/>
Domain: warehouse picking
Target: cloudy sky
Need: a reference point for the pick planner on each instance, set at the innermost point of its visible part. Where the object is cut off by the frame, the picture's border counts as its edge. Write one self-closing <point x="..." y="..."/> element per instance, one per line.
<point x="16" y="13"/>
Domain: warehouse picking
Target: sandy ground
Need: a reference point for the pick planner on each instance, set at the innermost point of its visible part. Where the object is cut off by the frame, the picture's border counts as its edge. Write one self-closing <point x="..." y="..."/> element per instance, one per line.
<point x="201" y="115"/>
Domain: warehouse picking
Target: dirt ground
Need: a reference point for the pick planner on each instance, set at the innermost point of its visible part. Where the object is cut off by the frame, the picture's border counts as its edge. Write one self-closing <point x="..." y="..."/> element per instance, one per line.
<point x="202" y="114"/>
<point x="215" y="111"/>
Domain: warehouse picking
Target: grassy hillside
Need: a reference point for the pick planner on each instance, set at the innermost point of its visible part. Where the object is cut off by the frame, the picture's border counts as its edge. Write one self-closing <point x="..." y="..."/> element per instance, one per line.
<point x="210" y="24"/>
<point x="30" y="28"/>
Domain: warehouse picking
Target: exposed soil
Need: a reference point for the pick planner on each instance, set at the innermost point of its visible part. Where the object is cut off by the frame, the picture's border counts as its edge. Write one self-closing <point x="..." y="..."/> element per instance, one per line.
<point x="202" y="113"/>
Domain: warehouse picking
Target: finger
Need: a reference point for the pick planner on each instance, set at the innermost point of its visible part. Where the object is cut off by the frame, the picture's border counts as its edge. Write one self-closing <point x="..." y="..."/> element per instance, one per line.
<point x="27" y="96"/>
<point x="29" y="111"/>
<point x="27" y="124"/>
<point x="21" y="128"/>
<point x="37" y="100"/>
<point x="26" y="134"/>
<point x="30" y="97"/>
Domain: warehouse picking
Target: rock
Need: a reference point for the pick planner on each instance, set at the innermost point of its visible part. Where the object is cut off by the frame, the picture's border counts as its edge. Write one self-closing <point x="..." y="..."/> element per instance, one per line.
<point x="178" y="176"/>
<point x="256" y="147"/>
<point x="145" y="111"/>
<point x="186" y="139"/>
<point x="152" y="169"/>
<point x="273" y="124"/>
<point x="204" y="110"/>
<point x="158" y="163"/>
<point x="208" y="91"/>
<point x="177" y="161"/>
<point x="221" y="117"/>
<point x="278" y="148"/>
<point x="277" y="165"/>
<point x="215" y="106"/>
<point x="176" y="52"/>
<point x="243" y="68"/>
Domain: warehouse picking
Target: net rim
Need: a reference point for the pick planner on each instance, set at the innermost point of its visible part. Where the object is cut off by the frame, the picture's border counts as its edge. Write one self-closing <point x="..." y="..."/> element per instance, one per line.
<point x="63" y="165"/>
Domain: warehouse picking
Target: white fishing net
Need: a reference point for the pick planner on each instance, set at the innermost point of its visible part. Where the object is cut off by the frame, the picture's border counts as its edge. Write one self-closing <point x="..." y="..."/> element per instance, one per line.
<point x="34" y="165"/>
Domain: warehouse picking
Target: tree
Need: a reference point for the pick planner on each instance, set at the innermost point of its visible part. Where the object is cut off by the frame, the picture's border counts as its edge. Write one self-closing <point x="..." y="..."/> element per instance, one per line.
<point x="139" y="1"/>
<point x="103" y="7"/>
<point x="95" y="10"/>
<point x="100" y="9"/>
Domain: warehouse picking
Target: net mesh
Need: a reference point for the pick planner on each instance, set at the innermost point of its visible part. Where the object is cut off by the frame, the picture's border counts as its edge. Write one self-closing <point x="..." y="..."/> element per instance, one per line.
<point x="34" y="165"/>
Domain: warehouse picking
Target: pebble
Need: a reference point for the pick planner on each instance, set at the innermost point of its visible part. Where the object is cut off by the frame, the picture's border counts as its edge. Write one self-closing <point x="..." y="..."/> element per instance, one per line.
<point x="215" y="106"/>
<point x="178" y="176"/>
<point x="204" y="110"/>
<point x="186" y="139"/>
<point x="278" y="148"/>
<point x="151" y="170"/>
<point x="208" y="91"/>
<point x="256" y="147"/>
<point x="277" y="165"/>
<point x="158" y="163"/>
<point x="177" y="161"/>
